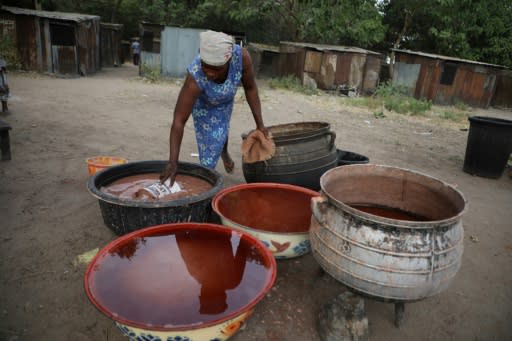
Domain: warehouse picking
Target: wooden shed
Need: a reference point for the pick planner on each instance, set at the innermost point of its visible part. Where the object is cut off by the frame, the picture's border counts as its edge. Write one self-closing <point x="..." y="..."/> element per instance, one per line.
<point x="332" y="66"/>
<point x="446" y="80"/>
<point x="266" y="60"/>
<point x="110" y="44"/>
<point x="151" y="36"/>
<point x="503" y="93"/>
<point x="55" y="42"/>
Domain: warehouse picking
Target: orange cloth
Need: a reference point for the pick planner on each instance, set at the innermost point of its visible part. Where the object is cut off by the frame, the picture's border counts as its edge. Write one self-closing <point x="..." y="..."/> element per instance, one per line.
<point x="257" y="147"/>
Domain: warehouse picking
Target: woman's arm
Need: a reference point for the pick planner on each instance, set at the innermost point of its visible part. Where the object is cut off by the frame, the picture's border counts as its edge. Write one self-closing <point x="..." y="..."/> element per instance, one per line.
<point x="186" y="99"/>
<point x="251" y="91"/>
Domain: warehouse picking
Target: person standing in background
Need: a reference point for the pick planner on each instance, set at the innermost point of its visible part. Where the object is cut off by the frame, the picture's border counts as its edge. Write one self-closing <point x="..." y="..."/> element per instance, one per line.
<point x="136" y="51"/>
<point x="4" y="87"/>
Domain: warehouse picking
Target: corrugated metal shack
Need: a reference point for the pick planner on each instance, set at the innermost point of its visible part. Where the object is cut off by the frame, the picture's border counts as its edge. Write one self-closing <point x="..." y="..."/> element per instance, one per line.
<point x="503" y="94"/>
<point x="55" y="42"/>
<point x="179" y="47"/>
<point x="171" y="49"/>
<point x="266" y="60"/>
<point x="151" y="36"/>
<point x="110" y="44"/>
<point x="150" y="46"/>
<point x="446" y="80"/>
<point x="331" y="67"/>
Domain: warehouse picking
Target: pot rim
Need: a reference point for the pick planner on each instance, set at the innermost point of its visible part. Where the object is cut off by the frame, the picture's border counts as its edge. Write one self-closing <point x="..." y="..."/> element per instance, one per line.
<point x="321" y="128"/>
<point x="265" y="185"/>
<point x="89" y="274"/>
<point x="97" y="193"/>
<point x="429" y="224"/>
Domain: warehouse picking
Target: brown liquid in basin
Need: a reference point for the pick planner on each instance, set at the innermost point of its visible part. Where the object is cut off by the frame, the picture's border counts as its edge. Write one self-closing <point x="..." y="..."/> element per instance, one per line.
<point x="180" y="278"/>
<point x="278" y="210"/>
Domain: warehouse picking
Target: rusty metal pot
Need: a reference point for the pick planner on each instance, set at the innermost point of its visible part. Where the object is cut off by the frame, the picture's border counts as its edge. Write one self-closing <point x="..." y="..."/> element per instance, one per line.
<point x="396" y="259"/>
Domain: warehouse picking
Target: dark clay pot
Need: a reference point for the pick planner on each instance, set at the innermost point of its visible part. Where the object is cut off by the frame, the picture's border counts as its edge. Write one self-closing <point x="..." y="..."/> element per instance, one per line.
<point x="304" y="151"/>
<point x="123" y="216"/>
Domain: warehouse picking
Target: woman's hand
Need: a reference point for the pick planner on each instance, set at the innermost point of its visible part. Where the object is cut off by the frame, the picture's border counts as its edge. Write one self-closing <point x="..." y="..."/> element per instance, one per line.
<point x="264" y="130"/>
<point x="169" y="172"/>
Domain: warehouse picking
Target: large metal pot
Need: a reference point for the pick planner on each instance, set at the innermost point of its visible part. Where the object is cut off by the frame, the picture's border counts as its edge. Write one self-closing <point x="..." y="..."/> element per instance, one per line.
<point x="304" y="151"/>
<point x="393" y="259"/>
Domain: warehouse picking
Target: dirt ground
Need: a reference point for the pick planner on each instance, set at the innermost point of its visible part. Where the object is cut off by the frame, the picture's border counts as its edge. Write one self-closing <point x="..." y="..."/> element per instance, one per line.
<point x="48" y="218"/>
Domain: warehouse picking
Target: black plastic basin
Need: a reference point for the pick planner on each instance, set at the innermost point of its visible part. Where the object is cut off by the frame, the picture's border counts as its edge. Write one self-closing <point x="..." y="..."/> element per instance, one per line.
<point x="123" y="216"/>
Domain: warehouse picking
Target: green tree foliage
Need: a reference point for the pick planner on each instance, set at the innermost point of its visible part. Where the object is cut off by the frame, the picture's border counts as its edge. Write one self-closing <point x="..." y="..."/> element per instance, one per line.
<point x="473" y="29"/>
<point x="355" y="22"/>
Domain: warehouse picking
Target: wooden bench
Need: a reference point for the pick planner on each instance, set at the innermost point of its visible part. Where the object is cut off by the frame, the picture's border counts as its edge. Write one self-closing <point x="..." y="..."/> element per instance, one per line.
<point x="5" y="145"/>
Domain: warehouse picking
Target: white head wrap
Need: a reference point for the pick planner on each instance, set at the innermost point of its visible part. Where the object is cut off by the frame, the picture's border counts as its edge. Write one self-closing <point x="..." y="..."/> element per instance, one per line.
<point x="215" y="48"/>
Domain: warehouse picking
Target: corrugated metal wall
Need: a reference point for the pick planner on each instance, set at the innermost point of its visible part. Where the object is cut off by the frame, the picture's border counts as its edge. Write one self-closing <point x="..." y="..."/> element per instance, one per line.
<point x="406" y="75"/>
<point x="149" y="60"/>
<point x="110" y="46"/>
<point x="371" y="74"/>
<point x="178" y="47"/>
<point x="27" y="41"/>
<point x="503" y="94"/>
<point x="471" y="83"/>
<point x="88" y="41"/>
<point x="34" y="42"/>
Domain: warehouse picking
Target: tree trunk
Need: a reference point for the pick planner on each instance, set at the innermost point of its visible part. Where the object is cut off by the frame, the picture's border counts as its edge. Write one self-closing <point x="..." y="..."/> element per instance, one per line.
<point x="396" y="45"/>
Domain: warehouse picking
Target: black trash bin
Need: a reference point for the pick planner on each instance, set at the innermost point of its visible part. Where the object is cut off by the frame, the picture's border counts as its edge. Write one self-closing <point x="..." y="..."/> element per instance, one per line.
<point x="489" y="146"/>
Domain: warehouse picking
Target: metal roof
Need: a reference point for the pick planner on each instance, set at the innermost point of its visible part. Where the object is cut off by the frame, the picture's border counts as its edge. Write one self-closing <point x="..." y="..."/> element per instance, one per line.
<point x="453" y="59"/>
<point x="112" y="26"/>
<point x="77" y="17"/>
<point x="265" y="47"/>
<point x="339" y="48"/>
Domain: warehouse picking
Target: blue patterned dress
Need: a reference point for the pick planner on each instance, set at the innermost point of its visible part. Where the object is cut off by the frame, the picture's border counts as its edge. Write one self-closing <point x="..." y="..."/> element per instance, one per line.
<point x="212" y="110"/>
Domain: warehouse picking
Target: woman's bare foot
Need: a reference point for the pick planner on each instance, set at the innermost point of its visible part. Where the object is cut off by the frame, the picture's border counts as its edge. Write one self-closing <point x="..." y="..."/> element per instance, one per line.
<point x="229" y="164"/>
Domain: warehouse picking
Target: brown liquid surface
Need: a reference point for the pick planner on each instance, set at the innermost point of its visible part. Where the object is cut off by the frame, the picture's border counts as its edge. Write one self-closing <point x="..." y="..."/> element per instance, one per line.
<point x="180" y="278"/>
<point x="268" y="209"/>
<point x="126" y="188"/>
<point x="391" y="213"/>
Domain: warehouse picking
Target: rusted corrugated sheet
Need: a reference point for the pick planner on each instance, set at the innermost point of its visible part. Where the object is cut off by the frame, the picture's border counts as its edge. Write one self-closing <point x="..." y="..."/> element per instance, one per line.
<point x="343" y="69"/>
<point x="371" y="75"/>
<point x="423" y="55"/>
<point x="26" y="41"/>
<point x="350" y="70"/>
<point x="473" y="83"/>
<point x="326" y="76"/>
<point x="328" y="66"/>
<point x="110" y="44"/>
<point x="313" y="61"/>
<point x="291" y="61"/>
<point x="76" y="17"/>
<point x="503" y="93"/>
<point x="426" y="79"/>
<point x="88" y="34"/>
<point x="151" y="34"/>
<point x="64" y="59"/>
<point x="41" y="49"/>
<point x="356" y="71"/>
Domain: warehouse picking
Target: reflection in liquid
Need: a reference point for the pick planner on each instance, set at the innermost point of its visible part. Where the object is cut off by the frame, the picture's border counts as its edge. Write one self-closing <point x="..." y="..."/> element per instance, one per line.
<point x="215" y="274"/>
<point x="186" y="277"/>
<point x="127" y="250"/>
